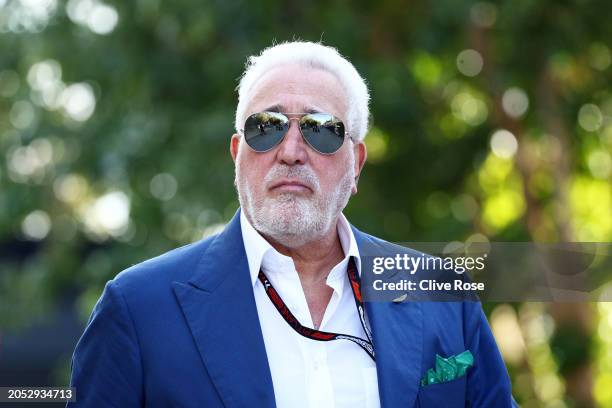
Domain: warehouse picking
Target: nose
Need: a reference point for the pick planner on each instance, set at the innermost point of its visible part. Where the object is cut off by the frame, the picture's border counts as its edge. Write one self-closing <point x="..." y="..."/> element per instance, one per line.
<point x="293" y="148"/>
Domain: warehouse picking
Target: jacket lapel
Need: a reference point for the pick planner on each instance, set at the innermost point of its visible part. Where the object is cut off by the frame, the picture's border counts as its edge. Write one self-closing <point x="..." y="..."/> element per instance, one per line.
<point x="219" y="306"/>
<point x="397" y="331"/>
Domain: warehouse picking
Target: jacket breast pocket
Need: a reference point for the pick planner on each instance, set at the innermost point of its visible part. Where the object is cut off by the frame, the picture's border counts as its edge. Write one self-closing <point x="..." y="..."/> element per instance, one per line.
<point x="449" y="394"/>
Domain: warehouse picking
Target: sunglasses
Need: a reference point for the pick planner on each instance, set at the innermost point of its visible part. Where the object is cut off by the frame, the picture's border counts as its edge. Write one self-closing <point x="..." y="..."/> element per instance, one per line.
<point x="323" y="132"/>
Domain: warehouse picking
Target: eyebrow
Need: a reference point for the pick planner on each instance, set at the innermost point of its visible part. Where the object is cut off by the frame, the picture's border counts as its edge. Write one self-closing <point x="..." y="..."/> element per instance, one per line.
<point x="281" y="109"/>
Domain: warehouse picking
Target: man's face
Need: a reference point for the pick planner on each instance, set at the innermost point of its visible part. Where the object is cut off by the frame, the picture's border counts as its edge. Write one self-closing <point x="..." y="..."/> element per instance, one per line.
<point x="292" y="193"/>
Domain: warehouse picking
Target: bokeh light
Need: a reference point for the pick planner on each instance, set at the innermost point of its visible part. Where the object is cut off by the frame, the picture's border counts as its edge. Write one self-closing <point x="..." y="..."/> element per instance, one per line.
<point x="469" y="62"/>
<point x="590" y="117"/>
<point x="469" y="108"/>
<point x="78" y="101"/>
<point x="36" y="225"/>
<point x="99" y="17"/>
<point x="600" y="164"/>
<point x="163" y="186"/>
<point x="503" y="144"/>
<point x="515" y="102"/>
<point x="483" y="14"/>
<point x="600" y="57"/>
<point x="107" y="215"/>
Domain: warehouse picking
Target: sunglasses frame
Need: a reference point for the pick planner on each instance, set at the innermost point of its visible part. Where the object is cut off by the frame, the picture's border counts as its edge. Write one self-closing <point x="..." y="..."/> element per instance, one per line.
<point x="301" y="116"/>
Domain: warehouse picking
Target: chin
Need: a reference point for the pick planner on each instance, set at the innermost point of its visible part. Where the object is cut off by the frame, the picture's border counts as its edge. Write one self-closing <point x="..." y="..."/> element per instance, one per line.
<point x="291" y="223"/>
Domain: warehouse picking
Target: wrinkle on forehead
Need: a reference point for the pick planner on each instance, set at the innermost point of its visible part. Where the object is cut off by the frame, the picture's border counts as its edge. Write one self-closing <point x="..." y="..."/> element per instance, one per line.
<point x="299" y="89"/>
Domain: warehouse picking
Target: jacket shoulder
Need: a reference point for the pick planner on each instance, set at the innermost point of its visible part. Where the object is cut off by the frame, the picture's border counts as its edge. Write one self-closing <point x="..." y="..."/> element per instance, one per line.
<point x="371" y="245"/>
<point x="175" y="265"/>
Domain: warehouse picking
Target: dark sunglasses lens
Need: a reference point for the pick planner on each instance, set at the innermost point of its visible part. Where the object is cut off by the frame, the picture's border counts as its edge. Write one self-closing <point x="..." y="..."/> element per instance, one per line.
<point x="264" y="130"/>
<point x="324" y="132"/>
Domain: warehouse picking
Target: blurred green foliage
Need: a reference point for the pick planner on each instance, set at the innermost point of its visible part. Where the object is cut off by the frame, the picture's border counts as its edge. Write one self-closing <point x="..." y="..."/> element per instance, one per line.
<point x="489" y="120"/>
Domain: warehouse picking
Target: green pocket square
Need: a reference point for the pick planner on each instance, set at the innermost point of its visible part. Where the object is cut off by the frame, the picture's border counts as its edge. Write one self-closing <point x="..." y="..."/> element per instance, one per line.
<point x="448" y="369"/>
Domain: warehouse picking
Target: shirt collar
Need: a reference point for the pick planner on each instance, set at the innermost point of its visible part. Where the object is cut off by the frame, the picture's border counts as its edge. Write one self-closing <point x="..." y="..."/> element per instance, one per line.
<point x="257" y="247"/>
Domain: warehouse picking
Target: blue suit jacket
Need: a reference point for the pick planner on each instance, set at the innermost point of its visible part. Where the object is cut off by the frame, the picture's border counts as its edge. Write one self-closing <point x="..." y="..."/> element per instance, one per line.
<point x="182" y="330"/>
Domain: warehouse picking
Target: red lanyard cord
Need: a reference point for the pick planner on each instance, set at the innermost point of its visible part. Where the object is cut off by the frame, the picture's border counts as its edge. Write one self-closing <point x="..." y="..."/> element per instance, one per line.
<point x="319" y="335"/>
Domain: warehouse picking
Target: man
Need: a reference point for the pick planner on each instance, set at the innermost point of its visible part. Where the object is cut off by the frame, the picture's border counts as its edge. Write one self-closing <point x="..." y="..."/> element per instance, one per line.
<point x="269" y="312"/>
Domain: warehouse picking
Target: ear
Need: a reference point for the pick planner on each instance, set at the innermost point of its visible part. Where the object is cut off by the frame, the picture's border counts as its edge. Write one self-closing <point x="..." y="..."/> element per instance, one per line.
<point x="361" y="154"/>
<point x="234" y="144"/>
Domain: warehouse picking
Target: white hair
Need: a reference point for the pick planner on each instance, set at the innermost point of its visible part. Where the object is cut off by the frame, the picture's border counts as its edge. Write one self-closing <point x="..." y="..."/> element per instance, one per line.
<point x="313" y="55"/>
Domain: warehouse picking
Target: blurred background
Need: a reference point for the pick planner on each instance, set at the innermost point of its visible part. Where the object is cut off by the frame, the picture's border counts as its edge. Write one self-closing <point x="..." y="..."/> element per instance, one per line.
<point x="491" y="121"/>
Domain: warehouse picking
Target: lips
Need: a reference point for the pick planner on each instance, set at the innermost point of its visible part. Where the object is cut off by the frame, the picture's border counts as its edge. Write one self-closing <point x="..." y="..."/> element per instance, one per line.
<point x="290" y="185"/>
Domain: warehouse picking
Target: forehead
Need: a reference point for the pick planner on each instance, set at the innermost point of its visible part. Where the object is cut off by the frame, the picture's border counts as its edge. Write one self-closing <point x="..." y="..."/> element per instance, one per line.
<point x="296" y="88"/>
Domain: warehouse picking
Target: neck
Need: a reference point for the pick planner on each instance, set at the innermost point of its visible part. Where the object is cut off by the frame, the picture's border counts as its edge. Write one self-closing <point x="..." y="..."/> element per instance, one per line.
<point x="313" y="260"/>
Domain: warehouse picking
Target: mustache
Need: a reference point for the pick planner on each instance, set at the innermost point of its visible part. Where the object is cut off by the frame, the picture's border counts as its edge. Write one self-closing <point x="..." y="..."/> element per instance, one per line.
<point x="302" y="174"/>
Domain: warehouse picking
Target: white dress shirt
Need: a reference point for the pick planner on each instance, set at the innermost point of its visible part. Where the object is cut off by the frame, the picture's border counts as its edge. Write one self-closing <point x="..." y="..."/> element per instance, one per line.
<point x="309" y="373"/>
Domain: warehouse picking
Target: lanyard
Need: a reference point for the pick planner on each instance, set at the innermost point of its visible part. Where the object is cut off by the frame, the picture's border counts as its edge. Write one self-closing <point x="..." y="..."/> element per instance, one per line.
<point x="319" y="335"/>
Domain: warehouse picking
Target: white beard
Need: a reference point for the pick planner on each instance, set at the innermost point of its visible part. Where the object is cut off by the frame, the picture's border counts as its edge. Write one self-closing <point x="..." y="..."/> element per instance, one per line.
<point x="290" y="219"/>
